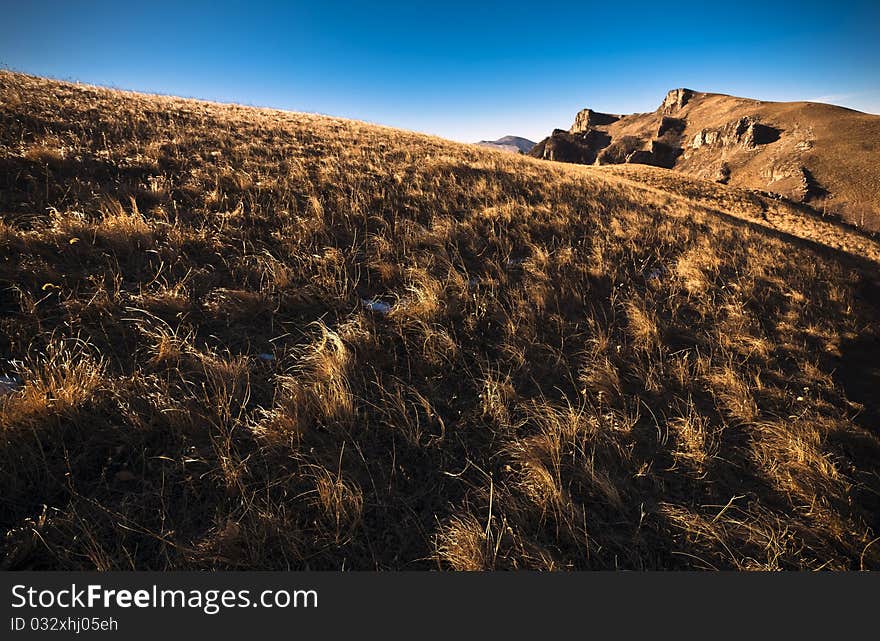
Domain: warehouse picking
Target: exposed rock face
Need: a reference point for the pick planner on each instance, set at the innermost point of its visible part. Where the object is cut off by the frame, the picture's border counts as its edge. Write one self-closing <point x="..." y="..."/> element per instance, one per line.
<point x="671" y="126"/>
<point x="563" y="146"/>
<point x="746" y="132"/>
<point x="620" y="151"/>
<point x="794" y="181"/>
<point x="587" y="118"/>
<point x="810" y="187"/>
<point x="659" y="154"/>
<point x="588" y="142"/>
<point x="675" y="100"/>
<point x="706" y="137"/>
<point x="663" y="154"/>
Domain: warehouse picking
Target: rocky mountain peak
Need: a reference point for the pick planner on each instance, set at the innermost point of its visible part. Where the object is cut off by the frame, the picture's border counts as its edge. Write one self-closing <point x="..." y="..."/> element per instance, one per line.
<point x="676" y="99"/>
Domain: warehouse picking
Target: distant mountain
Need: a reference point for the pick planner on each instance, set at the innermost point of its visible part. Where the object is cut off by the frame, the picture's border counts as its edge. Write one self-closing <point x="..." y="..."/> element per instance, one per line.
<point x="818" y="154"/>
<point x="513" y="144"/>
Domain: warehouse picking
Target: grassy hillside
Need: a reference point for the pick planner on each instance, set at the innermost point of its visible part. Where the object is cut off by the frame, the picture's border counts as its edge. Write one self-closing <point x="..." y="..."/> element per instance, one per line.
<point x="795" y="222"/>
<point x="555" y="367"/>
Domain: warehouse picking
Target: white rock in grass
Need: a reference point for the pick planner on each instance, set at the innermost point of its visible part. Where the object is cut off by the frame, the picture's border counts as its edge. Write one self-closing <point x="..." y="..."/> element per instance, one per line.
<point x="376" y="306"/>
<point x="9" y="384"/>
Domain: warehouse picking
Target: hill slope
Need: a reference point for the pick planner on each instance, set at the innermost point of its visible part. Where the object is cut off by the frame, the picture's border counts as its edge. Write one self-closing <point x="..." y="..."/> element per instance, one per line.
<point x="513" y="144"/>
<point x="813" y="153"/>
<point x="257" y="339"/>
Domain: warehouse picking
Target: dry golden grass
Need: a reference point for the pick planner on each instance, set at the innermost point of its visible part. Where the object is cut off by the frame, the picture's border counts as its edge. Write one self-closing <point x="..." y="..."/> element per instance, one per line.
<point x="258" y="339"/>
<point x="785" y="218"/>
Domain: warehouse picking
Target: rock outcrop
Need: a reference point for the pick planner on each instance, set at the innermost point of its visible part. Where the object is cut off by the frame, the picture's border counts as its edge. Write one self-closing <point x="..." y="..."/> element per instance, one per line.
<point x="675" y="100"/>
<point x="670" y="125"/>
<point x="620" y="151"/>
<point x="746" y="132"/>
<point x="589" y="140"/>
<point x="794" y="181"/>
<point x="587" y="118"/>
<point x="563" y="146"/>
<point x="632" y="150"/>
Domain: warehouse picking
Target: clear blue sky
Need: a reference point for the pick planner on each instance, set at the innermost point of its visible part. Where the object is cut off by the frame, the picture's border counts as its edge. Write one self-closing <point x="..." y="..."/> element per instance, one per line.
<point x="463" y="70"/>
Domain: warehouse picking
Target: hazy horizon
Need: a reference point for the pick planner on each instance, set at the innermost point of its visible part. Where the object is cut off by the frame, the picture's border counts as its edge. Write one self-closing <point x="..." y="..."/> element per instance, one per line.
<point x="462" y="72"/>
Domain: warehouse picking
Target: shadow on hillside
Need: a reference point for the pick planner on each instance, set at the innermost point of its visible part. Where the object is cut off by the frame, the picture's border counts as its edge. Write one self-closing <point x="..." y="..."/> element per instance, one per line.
<point x="29" y="185"/>
<point x="859" y="375"/>
<point x="858" y="369"/>
<point x="858" y="372"/>
<point x="861" y="263"/>
<point x="765" y="134"/>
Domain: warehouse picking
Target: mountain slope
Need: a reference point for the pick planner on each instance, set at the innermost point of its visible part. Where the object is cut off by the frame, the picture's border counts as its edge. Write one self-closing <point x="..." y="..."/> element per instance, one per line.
<point x="513" y="144"/>
<point x="247" y="338"/>
<point x="823" y="155"/>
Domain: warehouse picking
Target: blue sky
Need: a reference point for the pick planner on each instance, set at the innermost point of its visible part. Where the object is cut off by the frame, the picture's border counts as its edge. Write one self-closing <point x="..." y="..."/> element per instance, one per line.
<point x="462" y="70"/>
